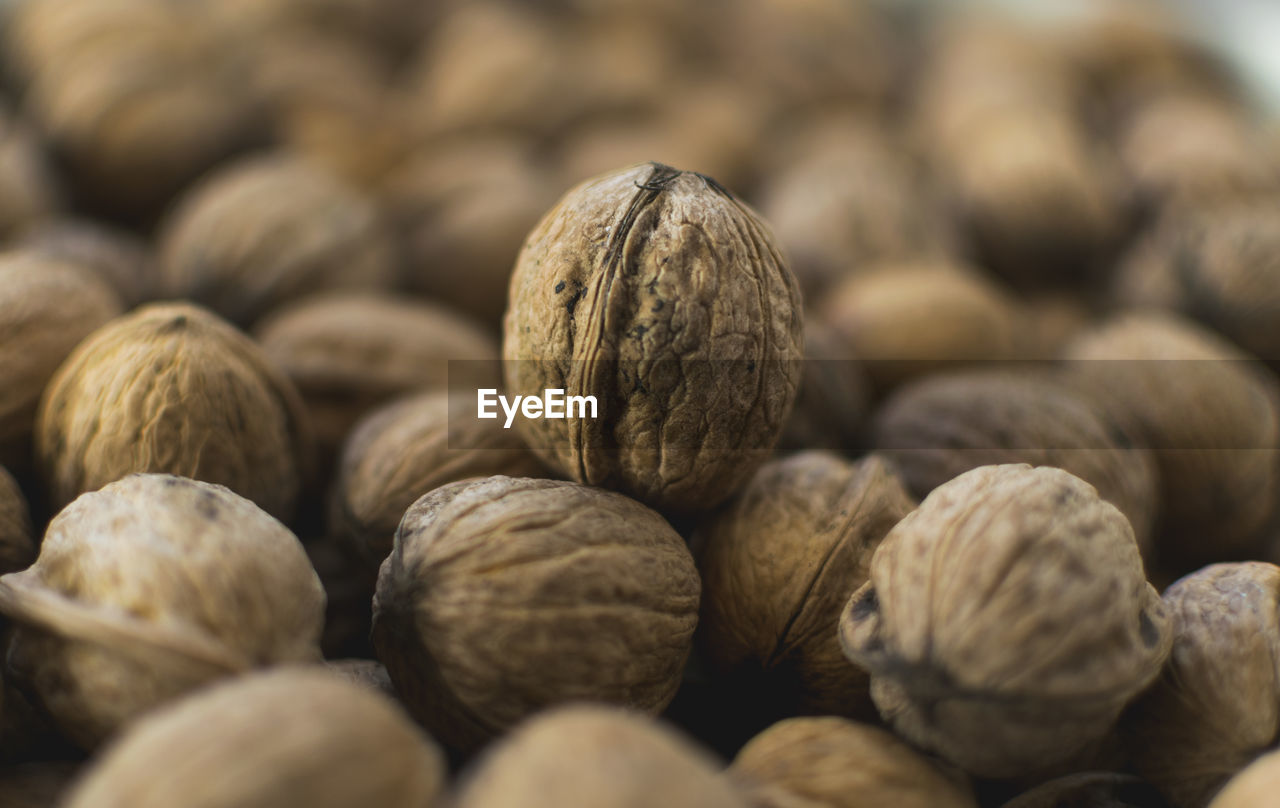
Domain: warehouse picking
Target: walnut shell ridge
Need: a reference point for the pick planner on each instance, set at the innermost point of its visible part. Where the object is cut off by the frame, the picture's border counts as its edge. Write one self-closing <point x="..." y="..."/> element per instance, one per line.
<point x="659" y="293"/>
<point x="149" y="588"/>
<point x="1008" y="620"/>
<point x="172" y="388"/>
<point x="503" y="596"/>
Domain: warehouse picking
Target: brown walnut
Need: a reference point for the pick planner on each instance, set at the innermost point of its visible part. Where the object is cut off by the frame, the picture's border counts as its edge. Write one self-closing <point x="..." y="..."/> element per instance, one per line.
<point x="151" y="587"/>
<point x="1007" y="620"/>
<point x="268" y="229"/>
<point x="172" y="388"/>
<point x="592" y="756"/>
<point x="294" y="736"/>
<point x="663" y="296"/>
<point x="831" y="762"/>
<point x="943" y="425"/>
<point x="778" y="564"/>
<point x="504" y="596"/>
<point x="46" y="307"/>
<point x="1217" y="704"/>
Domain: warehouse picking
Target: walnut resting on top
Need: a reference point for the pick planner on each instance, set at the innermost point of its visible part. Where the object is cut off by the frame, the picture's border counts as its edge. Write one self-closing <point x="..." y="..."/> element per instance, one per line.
<point x="659" y="293"/>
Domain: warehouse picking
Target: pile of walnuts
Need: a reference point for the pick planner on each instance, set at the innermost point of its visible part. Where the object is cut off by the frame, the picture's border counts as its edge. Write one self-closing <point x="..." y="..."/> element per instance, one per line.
<point x="933" y="457"/>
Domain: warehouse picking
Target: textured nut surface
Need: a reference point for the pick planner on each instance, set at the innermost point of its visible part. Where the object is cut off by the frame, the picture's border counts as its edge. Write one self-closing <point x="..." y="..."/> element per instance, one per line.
<point x="151" y="587"/>
<point x="347" y="354"/>
<point x="659" y="293"/>
<point x="1007" y="620"/>
<point x="1211" y="417"/>
<point x="408" y="449"/>
<point x="288" y="737"/>
<point x="265" y="230"/>
<point x="46" y="307"/>
<point x="595" y="757"/>
<point x="1252" y="787"/>
<point x="944" y="425"/>
<point x="779" y="563"/>
<point x="505" y="595"/>
<point x="173" y="388"/>
<point x="17" y="549"/>
<point x="1217" y="703"/>
<point x="831" y="762"/>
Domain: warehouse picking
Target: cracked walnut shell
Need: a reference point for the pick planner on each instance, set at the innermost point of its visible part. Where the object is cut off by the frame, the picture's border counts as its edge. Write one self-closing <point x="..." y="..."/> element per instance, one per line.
<point x="172" y="388"/>
<point x="658" y="292"/>
<point x="504" y="596"/>
<point x="1008" y="620"/>
<point x="151" y="587"/>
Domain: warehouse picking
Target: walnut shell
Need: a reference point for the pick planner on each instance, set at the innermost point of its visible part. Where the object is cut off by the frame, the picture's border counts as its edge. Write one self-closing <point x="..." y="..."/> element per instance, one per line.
<point x="944" y="425"/>
<point x="1217" y="704"/>
<point x="285" y="737"/>
<point x="151" y="587"/>
<point x="778" y="564"/>
<point x="29" y="193"/>
<point x="1007" y="620"/>
<point x="1090" y="790"/>
<point x="591" y="756"/>
<point x="831" y="762"/>
<point x="1254" y="786"/>
<point x="908" y="320"/>
<point x="348" y="354"/>
<point x="46" y="307"/>
<point x="1210" y="415"/>
<point x="268" y="229"/>
<point x="660" y="294"/>
<point x="119" y="258"/>
<point x="172" y="388"/>
<point x="407" y="449"/>
<point x="17" y="550"/>
<point x="504" y="596"/>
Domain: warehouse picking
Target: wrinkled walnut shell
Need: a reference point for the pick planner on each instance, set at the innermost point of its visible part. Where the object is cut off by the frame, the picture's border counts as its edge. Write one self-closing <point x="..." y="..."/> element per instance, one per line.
<point x="1007" y="620"/>
<point x="663" y="296"/>
<point x="173" y="388"/>
<point x="572" y="592"/>
<point x="151" y="587"/>
<point x="590" y="756"/>
<point x="1217" y="704"/>
<point x="944" y="425"/>
<point x="294" y="736"/>
<point x="269" y="229"/>
<point x="830" y="762"/>
<point x="778" y="564"/>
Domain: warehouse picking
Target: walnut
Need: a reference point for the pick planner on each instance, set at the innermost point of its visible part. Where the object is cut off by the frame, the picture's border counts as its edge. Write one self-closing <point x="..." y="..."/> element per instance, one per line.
<point x="591" y="756"/>
<point x="1093" y="789"/>
<point x="151" y="587"/>
<point x="907" y="320"/>
<point x="16" y="547"/>
<point x="831" y="762"/>
<point x="46" y="307"/>
<point x="504" y="596"/>
<point x="1007" y="620"/>
<point x="660" y="294"/>
<point x="172" y="388"/>
<point x="119" y="258"/>
<point x="946" y="424"/>
<point x="1217" y="704"/>
<point x="1254" y="786"/>
<point x="462" y="209"/>
<point x="1211" y="417"/>
<point x="29" y="192"/>
<point x="347" y="354"/>
<point x="288" y="737"/>
<point x="833" y="400"/>
<point x="778" y="564"/>
<point x="408" y="449"/>
<point x="268" y="229"/>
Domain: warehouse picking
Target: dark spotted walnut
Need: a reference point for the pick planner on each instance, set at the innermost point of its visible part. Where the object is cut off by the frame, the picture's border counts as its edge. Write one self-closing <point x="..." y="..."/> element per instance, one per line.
<point x="504" y="596"/>
<point x="778" y="564"/>
<point x="151" y="587"/>
<point x="658" y="292"/>
<point x="1007" y="621"/>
